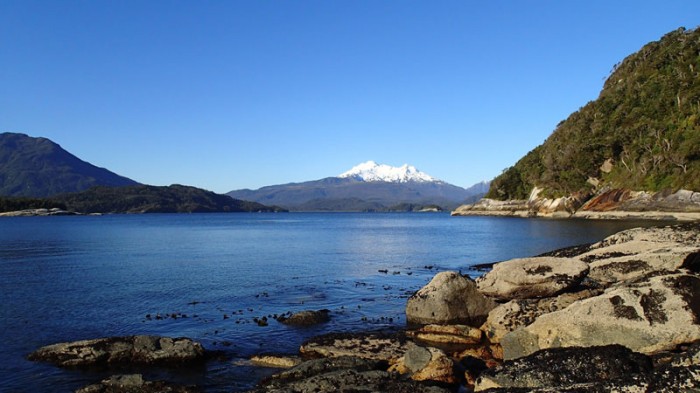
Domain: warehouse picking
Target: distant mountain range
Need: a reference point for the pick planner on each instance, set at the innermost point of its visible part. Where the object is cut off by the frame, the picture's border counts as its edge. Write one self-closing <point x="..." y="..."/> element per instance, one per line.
<point x="366" y="187"/>
<point x="38" y="167"/>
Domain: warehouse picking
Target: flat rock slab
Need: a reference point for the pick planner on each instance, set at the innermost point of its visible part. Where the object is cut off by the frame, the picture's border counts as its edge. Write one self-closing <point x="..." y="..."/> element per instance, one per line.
<point x="648" y="316"/>
<point x="536" y="277"/>
<point x="449" y="298"/>
<point x="122" y="351"/>
<point x="372" y="346"/>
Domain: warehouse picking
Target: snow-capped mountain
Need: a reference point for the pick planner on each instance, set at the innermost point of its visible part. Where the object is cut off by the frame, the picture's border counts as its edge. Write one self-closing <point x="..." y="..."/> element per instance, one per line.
<point x="371" y="171"/>
<point x="366" y="187"/>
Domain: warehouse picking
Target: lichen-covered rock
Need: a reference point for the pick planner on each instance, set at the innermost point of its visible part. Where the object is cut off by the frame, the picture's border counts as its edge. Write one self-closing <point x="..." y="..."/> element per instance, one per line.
<point x="509" y="316"/>
<point x="122" y="351"/>
<point x="449" y="298"/>
<point x="559" y="367"/>
<point x="648" y="316"/>
<point x="536" y="277"/>
<point x="374" y="346"/>
<point x="275" y="361"/>
<point x="632" y="259"/>
<point x="134" y="383"/>
<point x="306" y="318"/>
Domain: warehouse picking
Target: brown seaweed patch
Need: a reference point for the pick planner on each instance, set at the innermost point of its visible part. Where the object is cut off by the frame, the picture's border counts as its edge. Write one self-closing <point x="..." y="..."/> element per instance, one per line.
<point x="622" y="311"/>
<point x="652" y="304"/>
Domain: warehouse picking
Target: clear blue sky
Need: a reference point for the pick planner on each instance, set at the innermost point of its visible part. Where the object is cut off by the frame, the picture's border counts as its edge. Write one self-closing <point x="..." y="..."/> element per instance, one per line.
<point x="241" y="94"/>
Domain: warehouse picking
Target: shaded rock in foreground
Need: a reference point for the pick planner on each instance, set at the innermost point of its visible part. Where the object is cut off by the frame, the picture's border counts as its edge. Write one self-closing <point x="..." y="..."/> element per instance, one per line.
<point x="564" y="366"/>
<point x="122" y="351"/>
<point x="647" y="316"/>
<point x="449" y="298"/>
<point x="134" y="383"/>
<point x="527" y="278"/>
<point x="342" y="374"/>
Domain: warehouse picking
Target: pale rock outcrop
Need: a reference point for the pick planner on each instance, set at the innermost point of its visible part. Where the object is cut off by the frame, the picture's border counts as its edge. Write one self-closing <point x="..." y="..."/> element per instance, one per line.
<point x="532" y="277"/>
<point x="449" y="298"/>
<point x="648" y="316"/>
<point x="449" y="334"/>
<point x="122" y="351"/>
<point x="510" y="316"/>
<point x="426" y="364"/>
<point x="275" y="361"/>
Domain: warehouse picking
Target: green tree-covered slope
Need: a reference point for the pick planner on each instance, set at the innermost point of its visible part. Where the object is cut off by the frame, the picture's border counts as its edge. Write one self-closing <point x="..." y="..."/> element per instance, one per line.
<point x="646" y="121"/>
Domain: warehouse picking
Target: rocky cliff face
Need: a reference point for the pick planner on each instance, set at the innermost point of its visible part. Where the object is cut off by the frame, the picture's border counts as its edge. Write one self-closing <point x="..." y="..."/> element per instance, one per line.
<point x="607" y="204"/>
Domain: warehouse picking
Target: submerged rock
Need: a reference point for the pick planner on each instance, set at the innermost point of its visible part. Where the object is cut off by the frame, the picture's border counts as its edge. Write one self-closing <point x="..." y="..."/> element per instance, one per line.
<point x="275" y="361"/>
<point x="306" y="318"/>
<point x="449" y="298"/>
<point x="537" y="277"/>
<point x="122" y="351"/>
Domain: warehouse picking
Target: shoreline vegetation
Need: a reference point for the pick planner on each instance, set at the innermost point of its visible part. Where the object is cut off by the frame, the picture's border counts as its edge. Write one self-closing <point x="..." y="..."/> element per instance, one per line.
<point x="619" y="314"/>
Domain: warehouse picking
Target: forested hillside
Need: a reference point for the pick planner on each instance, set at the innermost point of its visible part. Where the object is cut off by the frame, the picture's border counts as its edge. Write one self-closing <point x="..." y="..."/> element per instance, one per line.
<point x="641" y="133"/>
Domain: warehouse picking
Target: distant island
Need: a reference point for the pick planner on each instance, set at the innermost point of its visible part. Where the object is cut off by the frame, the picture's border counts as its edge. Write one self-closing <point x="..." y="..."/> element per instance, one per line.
<point x="137" y="199"/>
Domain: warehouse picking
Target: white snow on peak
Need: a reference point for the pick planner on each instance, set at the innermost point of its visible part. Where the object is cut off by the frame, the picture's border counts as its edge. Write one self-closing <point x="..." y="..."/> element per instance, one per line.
<point x="370" y="171"/>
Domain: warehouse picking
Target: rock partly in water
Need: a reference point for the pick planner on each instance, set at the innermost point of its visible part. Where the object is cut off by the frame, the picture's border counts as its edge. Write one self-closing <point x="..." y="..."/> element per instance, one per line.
<point x="648" y="316"/>
<point x="134" y="383"/>
<point x="275" y="361"/>
<point x="306" y="318"/>
<point x="122" y="351"/>
<point x="449" y="298"/>
<point x="527" y="278"/>
<point x="565" y="366"/>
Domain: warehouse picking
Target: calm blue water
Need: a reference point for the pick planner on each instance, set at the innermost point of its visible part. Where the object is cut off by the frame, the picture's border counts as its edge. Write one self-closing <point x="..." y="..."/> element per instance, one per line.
<point x="71" y="278"/>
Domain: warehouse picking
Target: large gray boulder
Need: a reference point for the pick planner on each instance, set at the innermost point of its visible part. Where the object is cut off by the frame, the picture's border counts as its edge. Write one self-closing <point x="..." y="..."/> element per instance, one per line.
<point x="122" y="351"/>
<point x="536" y="277"/>
<point x="652" y="315"/>
<point x="449" y="298"/>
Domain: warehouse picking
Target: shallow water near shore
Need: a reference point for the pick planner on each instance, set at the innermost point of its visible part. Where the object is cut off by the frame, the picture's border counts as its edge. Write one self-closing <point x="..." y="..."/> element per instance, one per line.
<point x="210" y="277"/>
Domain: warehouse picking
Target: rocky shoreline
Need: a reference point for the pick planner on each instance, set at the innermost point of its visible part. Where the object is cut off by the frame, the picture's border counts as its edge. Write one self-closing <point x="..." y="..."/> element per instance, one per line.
<point x="615" y="204"/>
<point x="622" y="314"/>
